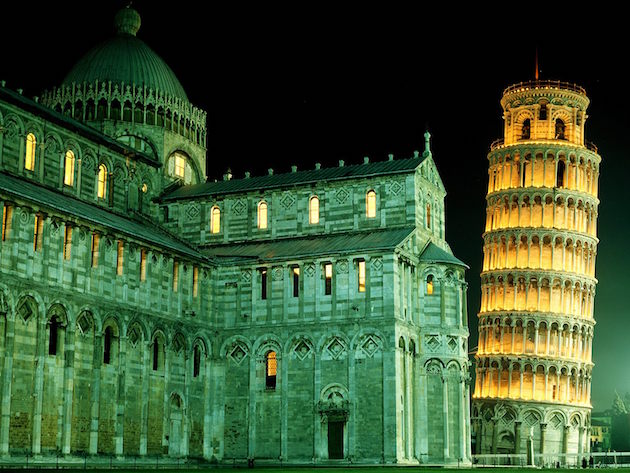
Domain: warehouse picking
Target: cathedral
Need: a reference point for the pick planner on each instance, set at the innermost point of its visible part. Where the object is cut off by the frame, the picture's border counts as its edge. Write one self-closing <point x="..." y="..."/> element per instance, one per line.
<point x="311" y="316"/>
<point x="534" y="363"/>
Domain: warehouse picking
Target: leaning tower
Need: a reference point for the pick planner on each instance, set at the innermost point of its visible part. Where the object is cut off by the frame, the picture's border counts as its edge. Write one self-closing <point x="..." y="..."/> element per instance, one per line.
<point x="533" y="363"/>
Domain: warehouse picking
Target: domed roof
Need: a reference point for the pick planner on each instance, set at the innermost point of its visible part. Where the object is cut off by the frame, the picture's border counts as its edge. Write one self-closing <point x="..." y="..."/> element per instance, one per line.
<point x="124" y="58"/>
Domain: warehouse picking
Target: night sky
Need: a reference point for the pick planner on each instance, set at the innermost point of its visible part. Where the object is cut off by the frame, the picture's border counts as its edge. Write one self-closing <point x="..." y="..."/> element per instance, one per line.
<point x="305" y="83"/>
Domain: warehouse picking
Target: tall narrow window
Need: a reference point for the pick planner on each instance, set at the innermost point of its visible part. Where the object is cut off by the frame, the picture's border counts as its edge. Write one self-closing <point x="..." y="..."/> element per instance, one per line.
<point x="560" y="129"/>
<point x="313" y="210"/>
<point x="68" y="176"/>
<point x="361" y="275"/>
<point x="262" y="215"/>
<point x="101" y="190"/>
<point x="429" y="284"/>
<point x="328" y="274"/>
<point x="196" y="361"/>
<point x="31" y="147"/>
<point x="195" y="281"/>
<point x="542" y="115"/>
<point x="180" y="166"/>
<point x="370" y="204"/>
<point x="107" y="345"/>
<point x="37" y="234"/>
<point x="119" y="258"/>
<point x="94" y="254"/>
<point x="156" y="354"/>
<point x="295" y="272"/>
<point x="175" y="275"/>
<point x="561" y="173"/>
<point x="143" y="264"/>
<point x="7" y="212"/>
<point x="271" y="363"/>
<point x="215" y="220"/>
<point x="263" y="284"/>
<point x="525" y="131"/>
<point x="67" y="242"/>
<point x="53" y="335"/>
<point x="428" y="216"/>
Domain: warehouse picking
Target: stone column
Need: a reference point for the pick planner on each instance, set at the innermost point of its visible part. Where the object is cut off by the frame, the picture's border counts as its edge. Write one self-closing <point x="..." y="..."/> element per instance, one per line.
<point x="68" y="387"/>
<point x="543" y="430"/>
<point x="120" y="397"/>
<point x="581" y="440"/>
<point x="6" y="376"/>
<point x="38" y="394"/>
<point x="495" y="434"/>
<point x="517" y="437"/>
<point x="95" y="391"/>
<point x="144" y="415"/>
<point x="445" y="411"/>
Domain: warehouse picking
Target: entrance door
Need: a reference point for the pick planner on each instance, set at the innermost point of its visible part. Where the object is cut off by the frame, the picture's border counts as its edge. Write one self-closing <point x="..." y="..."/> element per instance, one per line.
<point x="335" y="440"/>
<point x="175" y="437"/>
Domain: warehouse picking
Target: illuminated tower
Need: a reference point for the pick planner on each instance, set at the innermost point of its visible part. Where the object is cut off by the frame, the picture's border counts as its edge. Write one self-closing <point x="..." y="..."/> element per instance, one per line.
<point x="533" y="364"/>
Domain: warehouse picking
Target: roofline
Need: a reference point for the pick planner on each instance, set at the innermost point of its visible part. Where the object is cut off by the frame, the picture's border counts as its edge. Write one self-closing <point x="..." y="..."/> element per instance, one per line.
<point x="166" y="198"/>
<point x="73" y="125"/>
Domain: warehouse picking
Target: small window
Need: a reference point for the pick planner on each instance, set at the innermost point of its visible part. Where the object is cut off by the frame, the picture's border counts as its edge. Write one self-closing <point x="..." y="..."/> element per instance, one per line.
<point x="271" y="370"/>
<point x="361" y="275"/>
<point x="262" y="215"/>
<point x="31" y="147"/>
<point x="143" y="264"/>
<point x="53" y="335"/>
<point x="328" y="274"/>
<point x="37" y="234"/>
<point x="107" y="345"/>
<point x="295" y="273"/>
<point x="561" y="173"/>
<point x="67" y="242"/>
<point x="313" y="210"/>
<point x="196" y="361"/>
<point x="175" y="275"/>
<point x="120" y="257"/>
<point x="215" y="220"/>
<point x="101" y="190"/>
<point x="95" y="241"/>
<point x="195" y="281"/>
<point x="542" y="115"/>
<point x="525" y="131"/>
<point x="7" y="212"/>
<point x="370" y="204"/>
<point x="180" y="165"/>
<point x="68" y="177"/>
<point x="263" y="284"/>
<point x="429" y="284"/>
<point x="560" y="128"/>
<point x="428" y="216"/>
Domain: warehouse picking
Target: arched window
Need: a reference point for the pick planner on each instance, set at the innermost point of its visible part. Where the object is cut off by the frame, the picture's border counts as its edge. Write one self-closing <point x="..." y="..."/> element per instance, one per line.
<point x="525" y="131"/>
<point x="262" y="215"/>
<point x="542" y="114"/>
<point x="370" y="204"/>
<point x="158" y="354"/>
<point x="313" y="210"/>
<point x="560" y="129"/>
<point x="68" y="176"/>
<point x="215" y="220"/>
<point x="429" y="284"/>
<point x="107" y="345"/>
<point x="196" y="361"/>
<point x="53" y="335"/>
<point x="428" y="216"/>
<point x="560" y="174"/>
<point x="271" y="369"/>
<point x="101" y="188"/>
<point x="31" y="146"/>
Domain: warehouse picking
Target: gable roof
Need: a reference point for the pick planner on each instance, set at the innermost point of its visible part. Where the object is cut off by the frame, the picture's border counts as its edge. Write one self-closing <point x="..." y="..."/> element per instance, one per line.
<point x="312" y="246"/>
<point x="296" y="178"/>
<point x="49" y="198"/>
<point x="434" y="254"/>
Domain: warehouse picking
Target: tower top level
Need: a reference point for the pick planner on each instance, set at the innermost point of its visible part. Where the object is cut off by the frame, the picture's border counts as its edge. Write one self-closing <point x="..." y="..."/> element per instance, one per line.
<point x="544" y="110"/>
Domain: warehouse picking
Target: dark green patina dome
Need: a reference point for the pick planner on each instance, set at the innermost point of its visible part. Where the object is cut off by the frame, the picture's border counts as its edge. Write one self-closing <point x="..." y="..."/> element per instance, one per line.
<point x="126" y="59"/>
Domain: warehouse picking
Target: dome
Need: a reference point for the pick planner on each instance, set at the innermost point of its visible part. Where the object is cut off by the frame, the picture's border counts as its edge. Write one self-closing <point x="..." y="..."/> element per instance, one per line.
<point x="124" y="58"/>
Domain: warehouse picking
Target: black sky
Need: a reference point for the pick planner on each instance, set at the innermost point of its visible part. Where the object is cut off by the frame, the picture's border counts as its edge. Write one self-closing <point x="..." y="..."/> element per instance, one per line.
<point x="293" y="83"/>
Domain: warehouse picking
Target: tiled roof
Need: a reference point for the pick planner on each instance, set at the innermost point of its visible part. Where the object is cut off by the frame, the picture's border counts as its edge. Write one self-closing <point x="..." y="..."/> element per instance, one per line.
<point x="434" y="254"/>
<point x="49" y="198"/>
<point x="295" y="178"/>
<point x="313" y="246"/>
